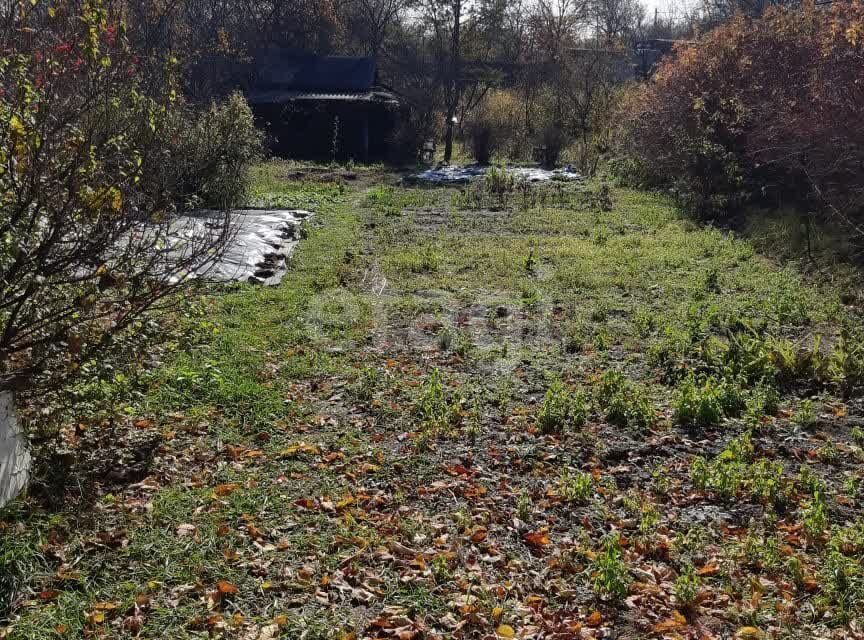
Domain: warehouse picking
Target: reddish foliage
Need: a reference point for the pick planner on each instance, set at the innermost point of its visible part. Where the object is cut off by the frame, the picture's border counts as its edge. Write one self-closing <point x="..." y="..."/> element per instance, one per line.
<point x="766" y="108"/>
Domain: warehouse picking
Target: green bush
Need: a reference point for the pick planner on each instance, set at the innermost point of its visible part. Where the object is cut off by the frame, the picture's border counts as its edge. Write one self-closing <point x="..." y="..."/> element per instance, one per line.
<point x="212" y="152"/>
<point x="610" y="574"/>
<point x="625" y="403"/>
<point x="577" y="488"/>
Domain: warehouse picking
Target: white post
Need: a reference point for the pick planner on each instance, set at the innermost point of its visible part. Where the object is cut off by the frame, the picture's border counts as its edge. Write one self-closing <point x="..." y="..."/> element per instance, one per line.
<point x="14" y="451"/>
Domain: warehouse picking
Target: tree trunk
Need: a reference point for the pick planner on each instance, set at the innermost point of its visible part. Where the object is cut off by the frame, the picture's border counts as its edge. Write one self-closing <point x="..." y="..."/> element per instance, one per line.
<point x="455" y="85"/>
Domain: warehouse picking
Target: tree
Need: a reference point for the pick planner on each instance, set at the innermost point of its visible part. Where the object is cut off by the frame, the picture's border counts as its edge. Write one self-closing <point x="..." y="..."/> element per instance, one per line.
<point x="616" y="21"/>
<point x="214" y="39"/>
<point x="370" y="22"/>
<point x="93" y="174"/>
<point x="445" y="20"/>
<point x="715" y="12"/>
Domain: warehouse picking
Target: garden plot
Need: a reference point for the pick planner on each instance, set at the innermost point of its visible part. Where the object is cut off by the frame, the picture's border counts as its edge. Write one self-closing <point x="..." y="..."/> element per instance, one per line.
<point x="454" y="174"/>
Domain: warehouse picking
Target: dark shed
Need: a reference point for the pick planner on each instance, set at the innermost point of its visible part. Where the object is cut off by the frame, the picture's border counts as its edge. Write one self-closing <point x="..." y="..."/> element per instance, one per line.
<point x="322" y="107"/>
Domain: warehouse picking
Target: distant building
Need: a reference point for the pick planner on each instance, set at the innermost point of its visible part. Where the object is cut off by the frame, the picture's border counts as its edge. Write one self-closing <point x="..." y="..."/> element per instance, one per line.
<point x="322" y="107"/>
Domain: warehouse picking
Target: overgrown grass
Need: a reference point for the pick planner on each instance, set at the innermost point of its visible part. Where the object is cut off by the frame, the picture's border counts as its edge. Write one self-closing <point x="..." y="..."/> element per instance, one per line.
<point x="397" y="434"/>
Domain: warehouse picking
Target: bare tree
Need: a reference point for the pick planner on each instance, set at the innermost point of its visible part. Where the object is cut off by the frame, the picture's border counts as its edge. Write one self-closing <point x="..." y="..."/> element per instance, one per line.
<point x="375" y="20"/>
<point x="444" y="19"/>
<point x="616" y="21"/>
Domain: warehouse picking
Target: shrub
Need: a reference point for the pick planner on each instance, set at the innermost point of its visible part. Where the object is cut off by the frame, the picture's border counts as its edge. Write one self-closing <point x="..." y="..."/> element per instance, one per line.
<point x="687" y="586"/>
<point x="434" y="408"/>
<point x="626" y="404"/>
<point x="631" y="408"/>
<point x="553" y="139"/>
<point x="502" y="113"/>
<point x="89" y="190"/>
<point x="762" y="108"/>
<point x="211" y="152"/>
<point x="483" y="139"/>
<point x="705" y="403"/>
<point x="733" y="471"/>
<point x="609" y="384"/>
<point x="577" y="488"/>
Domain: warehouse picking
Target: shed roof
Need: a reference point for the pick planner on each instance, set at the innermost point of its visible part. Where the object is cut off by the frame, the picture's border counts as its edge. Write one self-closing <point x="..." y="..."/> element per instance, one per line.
<point x="277" y="69"/>
<point x="280" y="96"/>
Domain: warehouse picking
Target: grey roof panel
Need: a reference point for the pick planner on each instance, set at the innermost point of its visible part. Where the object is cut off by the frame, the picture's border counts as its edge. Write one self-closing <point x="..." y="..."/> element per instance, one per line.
<point x="280" y="96"/>
<point x="277" y="69"/>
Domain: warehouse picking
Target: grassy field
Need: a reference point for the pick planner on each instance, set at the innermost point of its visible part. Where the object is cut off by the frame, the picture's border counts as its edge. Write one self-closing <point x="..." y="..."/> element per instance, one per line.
<point x="555" y="412"/>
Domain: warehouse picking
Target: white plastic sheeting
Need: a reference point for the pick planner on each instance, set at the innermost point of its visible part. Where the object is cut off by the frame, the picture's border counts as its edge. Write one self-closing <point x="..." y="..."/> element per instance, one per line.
<point x="454" y="174"/>
<point x="261" y="242"/>
<point x="14" y="451"/>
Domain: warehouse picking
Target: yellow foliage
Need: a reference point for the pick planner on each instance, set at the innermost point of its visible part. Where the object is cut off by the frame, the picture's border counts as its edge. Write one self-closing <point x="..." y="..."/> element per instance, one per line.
<point x="16" y="127"/>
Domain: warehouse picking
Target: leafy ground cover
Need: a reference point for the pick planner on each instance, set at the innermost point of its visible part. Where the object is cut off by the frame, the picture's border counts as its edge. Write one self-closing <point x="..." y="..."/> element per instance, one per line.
<point x="500" y="412"/>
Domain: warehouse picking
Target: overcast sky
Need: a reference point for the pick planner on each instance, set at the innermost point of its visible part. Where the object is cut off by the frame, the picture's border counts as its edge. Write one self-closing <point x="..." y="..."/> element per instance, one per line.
<point x="664" y="7"/>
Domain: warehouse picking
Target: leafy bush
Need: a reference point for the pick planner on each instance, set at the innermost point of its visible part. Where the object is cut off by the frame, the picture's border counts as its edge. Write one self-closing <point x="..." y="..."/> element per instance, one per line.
<point x="89" y="188"/>
<point x="762" y="108"/>
<point x="610" y="384"/>
<point x="842" y="574"/>
<point x="434" y="407"/>
<point x="211" y="152"/>
<point x="577" y="488"/>
<point x="626" y="404"/>
<point x="609" y="572"/>
<point x="631" y="408"/>
<point x="687" y="587"/>
<point x="733" y="472"/>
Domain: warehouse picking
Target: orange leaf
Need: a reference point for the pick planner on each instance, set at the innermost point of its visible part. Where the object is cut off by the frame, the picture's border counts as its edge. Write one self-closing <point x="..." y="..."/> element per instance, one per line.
<point x="595" y="619"/>
<point x="677" y="621"/>
<point x="537" y="539"/>
<point x="226" y="587"/>
<point x="223" y="490"/>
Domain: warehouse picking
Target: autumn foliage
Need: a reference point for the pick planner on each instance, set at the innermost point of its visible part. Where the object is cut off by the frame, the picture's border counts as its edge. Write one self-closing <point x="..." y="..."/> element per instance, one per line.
<point x="759" y="109"/>
<point x="98" y="157"/>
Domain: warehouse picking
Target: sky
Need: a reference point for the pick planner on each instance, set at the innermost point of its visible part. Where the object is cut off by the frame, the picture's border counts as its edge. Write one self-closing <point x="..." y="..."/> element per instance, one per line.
<point x="666" y="7"/>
